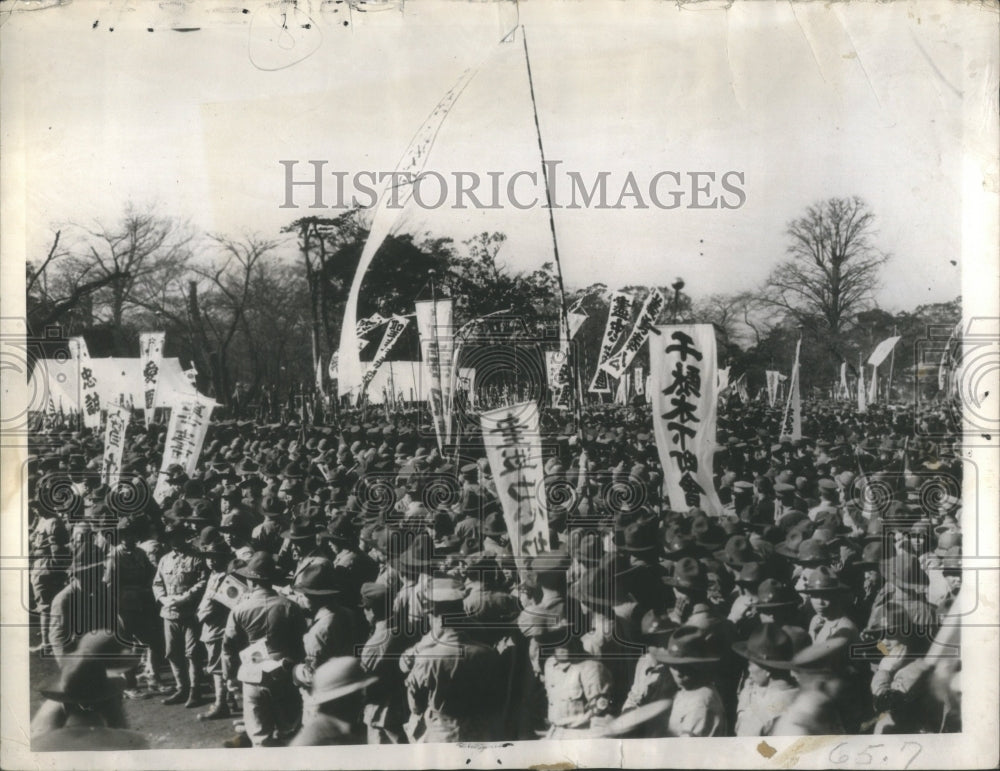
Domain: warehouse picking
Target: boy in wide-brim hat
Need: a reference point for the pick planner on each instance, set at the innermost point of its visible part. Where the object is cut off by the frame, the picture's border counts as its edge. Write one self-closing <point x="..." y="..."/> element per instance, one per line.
<point x="693" y="655"/>
<point x="769" y="687"/>
<point x="828" y="597"/>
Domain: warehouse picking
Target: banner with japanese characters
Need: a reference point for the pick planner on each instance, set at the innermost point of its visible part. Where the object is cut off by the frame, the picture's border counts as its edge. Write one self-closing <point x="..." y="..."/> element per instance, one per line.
<point x="683" y="371"/>
<point x="114" y="443"/>
<point x="151" y="353"/>
<point x="618" y="363"/>
<point x="436" y="348"/>
<point x="640" y="382"/>
<point x="619" y="311"/>
<point x="862" y="401"/>
<point x="372" y="322"/>
<point x="189" y="418"/>
<point x="791" y="421"/>
<point x="393" y="331"/>
<point x="514" y="451"/>
<point x="90" y="399"/>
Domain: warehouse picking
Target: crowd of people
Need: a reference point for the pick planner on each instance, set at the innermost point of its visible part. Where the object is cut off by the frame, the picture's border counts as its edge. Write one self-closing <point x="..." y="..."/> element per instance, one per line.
<point x="351" y="583"/>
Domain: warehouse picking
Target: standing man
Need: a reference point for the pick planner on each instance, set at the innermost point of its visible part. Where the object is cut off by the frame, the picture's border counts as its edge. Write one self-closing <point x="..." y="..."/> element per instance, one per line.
<point x="177" y="586"/>
<point x="272" y="627"/>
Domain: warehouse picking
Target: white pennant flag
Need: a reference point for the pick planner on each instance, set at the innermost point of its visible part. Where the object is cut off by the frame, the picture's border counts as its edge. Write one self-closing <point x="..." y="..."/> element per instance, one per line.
<point x="619" y="311"/>
<point x="114" y="443"/>
<point x="151" y="353"/>
<point x="882" y="350"/>
<point x="772" y="386"/>
<point x="576" y="320"/>
<point x="383" y="220"/>
<point x="683" y="372"/>
<point x="873" y="387"/>
<point x="617" y="363"/>
<point x="862" y="404"/>
<point x="843" y="391"/>
<point x="434" y="325"/>
<point x="791" y="422"/>
<point x="513" y="449"/>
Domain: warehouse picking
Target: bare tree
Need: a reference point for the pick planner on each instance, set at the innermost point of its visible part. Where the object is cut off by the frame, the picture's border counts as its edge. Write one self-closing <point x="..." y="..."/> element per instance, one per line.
<point x="832" y="266"/>
<point x="136" y="256"/>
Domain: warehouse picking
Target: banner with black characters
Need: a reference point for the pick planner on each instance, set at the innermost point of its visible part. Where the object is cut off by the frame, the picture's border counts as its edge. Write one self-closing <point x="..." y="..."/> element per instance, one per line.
<point x="619" y="311"/>
<point x="683" y="371"/>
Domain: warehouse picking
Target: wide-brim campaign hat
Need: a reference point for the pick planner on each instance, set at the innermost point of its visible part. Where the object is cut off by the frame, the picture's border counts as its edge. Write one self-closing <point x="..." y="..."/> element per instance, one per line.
<point x="689" y="573"/>
<point x="301" y="529"/>
<point x="737" y="552"/>
<point x="81" y="681"/>
<point x="824" y="657"/>
<point x="209" y="542"/>
<point x="769" y="646"/>
<point x="339" y="677"/>
<point x="318" y="578"/>
<point x="690" y="645"/>
<point x="823" y="580"/>
<point x="773" y="593"/>
<point x="261" y="567"/>
<point x="630" y="721"/>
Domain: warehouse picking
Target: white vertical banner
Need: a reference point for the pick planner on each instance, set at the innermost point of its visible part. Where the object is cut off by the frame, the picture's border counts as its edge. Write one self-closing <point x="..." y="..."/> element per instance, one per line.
<point x="151" y="353"/>
<point x="843" y="391"/>
<point x="90" y="400"/>
<point x="189" y="418"/>
<point x="576" y="320"/>
<point x="618" y="362"/>
<point x="621" y="394"/>
<point x="772" y="386"/>
<point x="640" y="381"/>
<point x="619" y="311"/>
<point x="873" y="386"/>
<point x="114" y="443"/>
<point x="683" y="375"/>
<point x="384" y="218"/>
<point x="393" y="331"/>
<point x="862" y="403"/>
<point x="436" y="344"/>
<point x="514" y="451"/>
<point x="791" y="421"/>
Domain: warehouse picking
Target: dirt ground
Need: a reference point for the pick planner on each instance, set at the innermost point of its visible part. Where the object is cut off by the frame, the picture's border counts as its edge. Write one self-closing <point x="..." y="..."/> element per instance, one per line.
<point x="174" y="727"/>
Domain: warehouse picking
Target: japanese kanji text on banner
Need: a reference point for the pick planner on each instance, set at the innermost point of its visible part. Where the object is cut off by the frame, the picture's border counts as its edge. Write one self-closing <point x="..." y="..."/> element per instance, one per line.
<point x="114" y="444"/>
<point x="513" y="448"/>
<point x="683" y="364"/>
<point x="151" y="349"/>
<point x="185" y="436"/>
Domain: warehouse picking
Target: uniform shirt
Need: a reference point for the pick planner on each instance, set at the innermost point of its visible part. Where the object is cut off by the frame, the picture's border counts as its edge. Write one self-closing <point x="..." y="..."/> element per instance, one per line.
<point x="577" y="691"/>
<point x="181" y="576"/>
<point x="652" y="682"/>
<point x="267" y="535"/>
<point x="759" y="707"/>
<point x="812" y="713"/>
<point x="211" y="613"/>
<point x="447" y="687"/>
<point x="384" y="700"/>
<point x="129" y="573"/>
<point x="331" y="634"/>
<point x="263" y="613"/>
<point x="698" y="712"/>
<point x="822" y="629"/>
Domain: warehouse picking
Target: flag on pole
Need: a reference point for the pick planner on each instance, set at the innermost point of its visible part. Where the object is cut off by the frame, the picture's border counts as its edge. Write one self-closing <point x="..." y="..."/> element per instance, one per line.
<point x="364" y="326"/>
<point x="683" y="372"/>
<point x="576" y="320"/>
<point x="772" y="386"/>
<point x="393" y="332"/>
<point x="114" y="443"/>
<point x="791" y="422"/>
<point x="90" y="400"/>
<point x="189" y="417"/>
<point x="882" y="350"/>
<point x="862" y="404"/>
<point x="619" y="311"/>
<point x="384" y="218"/>
<point x="873" y="387"/>
<point x="513" y="448"/>
<point x="151" y="353"/>
<point x="436" y="343"/>
<point x="618" y="362"/>
<point x="723" y="379"/>
<point x="843" y="391"/>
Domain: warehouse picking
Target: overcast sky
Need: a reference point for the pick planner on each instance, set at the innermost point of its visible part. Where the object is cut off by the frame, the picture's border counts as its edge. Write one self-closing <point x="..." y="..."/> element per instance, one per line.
<point x="808" y="102"/>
